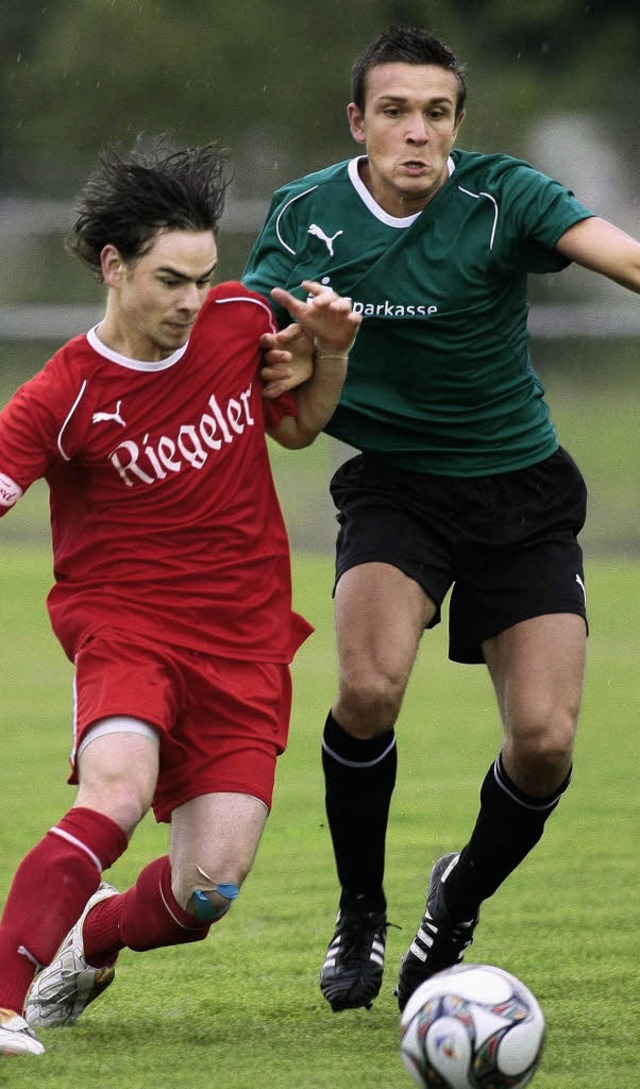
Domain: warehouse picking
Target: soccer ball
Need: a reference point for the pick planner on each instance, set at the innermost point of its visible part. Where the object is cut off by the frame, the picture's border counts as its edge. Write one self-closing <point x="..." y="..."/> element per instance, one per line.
<point x="472" y="1027"/>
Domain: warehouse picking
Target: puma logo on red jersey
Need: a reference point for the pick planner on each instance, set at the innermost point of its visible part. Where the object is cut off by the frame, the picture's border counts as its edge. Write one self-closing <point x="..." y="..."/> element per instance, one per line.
<point x="102" y="417"/>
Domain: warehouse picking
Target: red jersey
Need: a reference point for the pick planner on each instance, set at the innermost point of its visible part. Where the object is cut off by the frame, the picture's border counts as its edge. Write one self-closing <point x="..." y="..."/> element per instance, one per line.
<point x="164" y="514"/>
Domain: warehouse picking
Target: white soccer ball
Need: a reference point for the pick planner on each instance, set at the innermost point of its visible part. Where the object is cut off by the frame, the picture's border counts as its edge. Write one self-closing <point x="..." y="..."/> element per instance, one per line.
<point x="472" y="1027"/>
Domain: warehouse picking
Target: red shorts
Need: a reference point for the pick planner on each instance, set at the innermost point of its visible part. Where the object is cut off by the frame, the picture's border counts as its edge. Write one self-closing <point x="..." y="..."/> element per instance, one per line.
<point x="222" y="722"/>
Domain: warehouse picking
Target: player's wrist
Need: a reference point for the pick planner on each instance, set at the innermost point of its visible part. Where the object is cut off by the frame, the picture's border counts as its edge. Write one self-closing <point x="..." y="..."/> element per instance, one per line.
<point x="326" y="355"/>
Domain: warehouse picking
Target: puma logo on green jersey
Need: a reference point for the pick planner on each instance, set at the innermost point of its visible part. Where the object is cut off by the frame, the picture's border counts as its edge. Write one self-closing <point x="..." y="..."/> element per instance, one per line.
<point x="319" y="233"/>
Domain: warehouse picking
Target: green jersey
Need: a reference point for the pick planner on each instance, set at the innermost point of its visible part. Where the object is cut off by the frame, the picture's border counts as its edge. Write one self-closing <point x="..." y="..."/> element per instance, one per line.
<point x="440" y="377"/>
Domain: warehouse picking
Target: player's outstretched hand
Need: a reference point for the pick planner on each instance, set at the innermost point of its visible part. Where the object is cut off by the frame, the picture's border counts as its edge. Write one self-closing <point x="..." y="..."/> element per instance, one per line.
<point x="325" y="327"/>
<point x="327" y="317"/>
<point x="288" y="360"/>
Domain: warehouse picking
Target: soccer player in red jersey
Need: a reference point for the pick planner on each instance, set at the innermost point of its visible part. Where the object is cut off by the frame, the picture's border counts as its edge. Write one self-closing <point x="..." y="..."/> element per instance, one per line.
<point x="172" y="591"/>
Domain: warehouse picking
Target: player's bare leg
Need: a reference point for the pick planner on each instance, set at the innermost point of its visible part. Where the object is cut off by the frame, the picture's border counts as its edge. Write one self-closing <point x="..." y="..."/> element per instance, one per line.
<point x="380" y="616"/>
<point x="213" y="843"/>
<point x="537" y="668"/>
<point x="214" y="840"/>
<point x="118" y="772"/>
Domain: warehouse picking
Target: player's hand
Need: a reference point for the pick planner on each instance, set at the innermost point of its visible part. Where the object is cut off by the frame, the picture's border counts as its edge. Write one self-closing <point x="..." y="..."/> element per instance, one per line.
<point x="326" y="317"/>
<point x="288" y="360"/>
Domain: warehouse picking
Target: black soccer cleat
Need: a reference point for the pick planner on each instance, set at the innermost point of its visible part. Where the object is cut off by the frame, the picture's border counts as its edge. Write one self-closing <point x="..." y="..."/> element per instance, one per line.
<point x="351" y="975"/>
<point x="440" y="942"/>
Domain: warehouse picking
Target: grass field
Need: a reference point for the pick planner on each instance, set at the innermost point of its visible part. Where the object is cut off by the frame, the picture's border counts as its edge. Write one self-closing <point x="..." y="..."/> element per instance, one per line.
<point x="244" y="1009"/>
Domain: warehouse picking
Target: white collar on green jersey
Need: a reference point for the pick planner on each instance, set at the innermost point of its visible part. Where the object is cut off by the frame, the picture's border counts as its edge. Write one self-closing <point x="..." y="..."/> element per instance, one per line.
<point x="372" y="205"/>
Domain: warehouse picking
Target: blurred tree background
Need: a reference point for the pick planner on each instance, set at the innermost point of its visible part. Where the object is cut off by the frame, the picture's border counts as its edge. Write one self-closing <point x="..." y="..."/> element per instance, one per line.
<point x="271" y="78"/>
<point x="553" y="81"/>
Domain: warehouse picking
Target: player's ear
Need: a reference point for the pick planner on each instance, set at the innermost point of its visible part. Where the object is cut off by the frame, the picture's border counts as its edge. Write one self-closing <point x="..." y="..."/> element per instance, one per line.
<point x="356" y="123"/>
<point x="112" y="265"/>
<point x="459" y="120"/>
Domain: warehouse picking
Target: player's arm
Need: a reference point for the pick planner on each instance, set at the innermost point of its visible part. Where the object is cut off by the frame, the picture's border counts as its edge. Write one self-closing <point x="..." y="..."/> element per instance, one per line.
<point x="272" y="261"/>
<point x="600" y="246"/>
<point x="16" y="435"/>
<point x="326" y="330"/>
<point x="29" y="428"/>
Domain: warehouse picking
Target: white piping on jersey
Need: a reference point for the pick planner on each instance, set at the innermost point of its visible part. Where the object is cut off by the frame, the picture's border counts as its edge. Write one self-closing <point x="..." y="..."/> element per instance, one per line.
<point x="256" y="302"/>
<point x="74" y="689"/>
<point x="496" y="210"/>
<point x="71" y="412"/>
<point x="279" y="217"/>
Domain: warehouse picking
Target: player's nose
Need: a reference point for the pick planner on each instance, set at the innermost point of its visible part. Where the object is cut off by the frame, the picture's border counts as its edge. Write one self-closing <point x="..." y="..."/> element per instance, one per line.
<point x="417" y="132"/>
<point x="191" y="297"/>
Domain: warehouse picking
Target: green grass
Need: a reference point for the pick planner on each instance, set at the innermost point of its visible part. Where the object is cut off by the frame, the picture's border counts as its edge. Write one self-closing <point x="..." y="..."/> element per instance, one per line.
<point x="244" y="1009"/>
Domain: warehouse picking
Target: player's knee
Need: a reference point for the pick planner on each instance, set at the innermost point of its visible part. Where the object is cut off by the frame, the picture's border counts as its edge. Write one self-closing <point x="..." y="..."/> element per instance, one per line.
<point x="118" y="801"/>
<point x="369" y="704"/>
<point x="540" y="760"/>
<point x="208" y="894"/>
<point x="209" y="905"/>
<point x="548" y="743"/>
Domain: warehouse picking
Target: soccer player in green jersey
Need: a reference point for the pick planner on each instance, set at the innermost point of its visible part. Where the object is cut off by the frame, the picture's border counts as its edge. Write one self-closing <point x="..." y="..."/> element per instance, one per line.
<point x="460" y="483"/>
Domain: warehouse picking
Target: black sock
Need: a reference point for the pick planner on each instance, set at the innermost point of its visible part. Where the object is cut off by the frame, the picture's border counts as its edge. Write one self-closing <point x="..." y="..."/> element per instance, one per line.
<point x="508" y="826"/>
<point x="359" y="779"/>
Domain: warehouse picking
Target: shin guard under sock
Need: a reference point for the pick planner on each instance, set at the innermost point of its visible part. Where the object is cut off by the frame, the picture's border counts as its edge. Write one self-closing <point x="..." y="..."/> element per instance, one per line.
<point x="508" y="826"/>
<point x="147" y="916"/>
<point x="359" y="780"/>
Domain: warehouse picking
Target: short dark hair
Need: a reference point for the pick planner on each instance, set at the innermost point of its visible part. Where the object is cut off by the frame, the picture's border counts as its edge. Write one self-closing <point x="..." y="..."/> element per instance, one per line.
<point x="131" y="196"/>
<point x="406" y="45"/>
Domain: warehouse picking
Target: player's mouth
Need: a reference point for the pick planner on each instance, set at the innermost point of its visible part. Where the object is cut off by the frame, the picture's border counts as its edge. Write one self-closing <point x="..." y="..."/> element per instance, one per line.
<point x="415" y="168"/>
<point x="180" y="328"/>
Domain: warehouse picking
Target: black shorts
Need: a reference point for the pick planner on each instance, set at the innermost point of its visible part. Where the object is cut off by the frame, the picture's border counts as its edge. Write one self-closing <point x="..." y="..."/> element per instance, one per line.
<point x="507" y="543"/>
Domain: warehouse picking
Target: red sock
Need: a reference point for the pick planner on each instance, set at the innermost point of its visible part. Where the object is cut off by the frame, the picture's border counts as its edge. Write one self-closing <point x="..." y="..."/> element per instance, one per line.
<point x="49" y="891"/>
<point x="147" y="916"/>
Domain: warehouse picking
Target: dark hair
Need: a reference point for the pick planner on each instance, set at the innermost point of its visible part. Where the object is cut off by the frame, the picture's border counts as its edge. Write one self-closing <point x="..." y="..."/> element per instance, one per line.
<point x="406" y="45"/>
<point x="131" y="196"/>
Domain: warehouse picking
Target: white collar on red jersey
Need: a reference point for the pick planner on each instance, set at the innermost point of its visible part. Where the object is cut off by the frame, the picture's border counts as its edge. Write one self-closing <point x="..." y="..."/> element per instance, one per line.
<point x="133" y="364"/>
